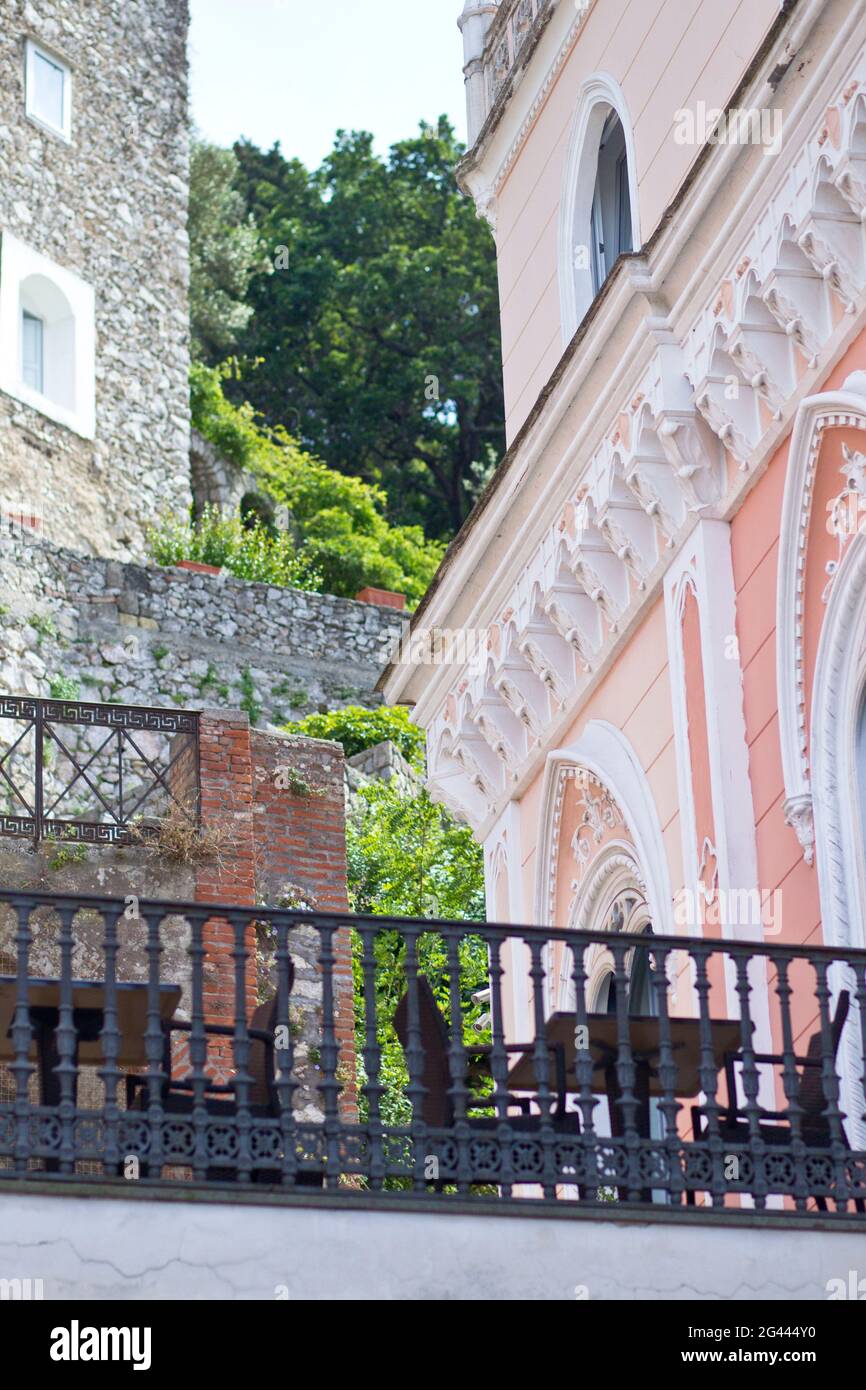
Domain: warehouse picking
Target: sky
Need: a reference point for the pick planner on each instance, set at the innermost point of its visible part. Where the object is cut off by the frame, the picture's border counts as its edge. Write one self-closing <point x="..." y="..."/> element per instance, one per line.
<point x="298" y="70"/>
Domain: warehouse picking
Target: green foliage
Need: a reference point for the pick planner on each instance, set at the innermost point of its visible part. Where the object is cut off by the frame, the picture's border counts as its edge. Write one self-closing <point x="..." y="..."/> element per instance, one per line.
<point x="407" y="857"/>
<point x="225" y="250"/>
<point x="379" y="344"/>
<point x="43" y="624"/>
<point x="357" y="728"/>
<point x="341" y="520"/>
<point x="248" y="701"/>
<point x="63" y="688"/>
<point x="248" y="552"/>
<point x="66" y="854"/>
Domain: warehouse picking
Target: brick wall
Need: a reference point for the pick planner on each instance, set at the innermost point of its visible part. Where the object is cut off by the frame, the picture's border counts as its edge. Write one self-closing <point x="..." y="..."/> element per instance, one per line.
<point x="300" y="833"/>
<point x="275" y="807"/>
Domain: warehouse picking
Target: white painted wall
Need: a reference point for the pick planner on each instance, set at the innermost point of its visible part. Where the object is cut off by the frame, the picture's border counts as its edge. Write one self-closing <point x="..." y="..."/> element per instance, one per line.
<point x="94" y="1248"/>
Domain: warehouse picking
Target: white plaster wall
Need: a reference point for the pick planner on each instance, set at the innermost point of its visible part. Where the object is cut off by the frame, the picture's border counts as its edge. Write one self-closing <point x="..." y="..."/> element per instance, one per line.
<point x="92" y="1248"/>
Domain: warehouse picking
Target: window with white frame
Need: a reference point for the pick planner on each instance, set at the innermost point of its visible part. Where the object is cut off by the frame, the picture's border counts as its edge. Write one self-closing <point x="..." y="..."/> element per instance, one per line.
<point x="47" y="337"/>
<point x="48" y="85"/>
<point x="598" y="216"/>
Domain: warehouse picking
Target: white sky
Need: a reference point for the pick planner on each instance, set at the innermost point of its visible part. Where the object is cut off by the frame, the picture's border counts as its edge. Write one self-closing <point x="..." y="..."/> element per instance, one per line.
<point x="297" y="70"/>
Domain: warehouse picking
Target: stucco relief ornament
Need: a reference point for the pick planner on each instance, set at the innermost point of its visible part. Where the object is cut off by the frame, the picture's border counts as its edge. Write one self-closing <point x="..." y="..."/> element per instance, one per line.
<point x="798" y="814"/>
<point x="845" y="512"/>
<point x="708" y="871"/>
<point x="600" y="813"/>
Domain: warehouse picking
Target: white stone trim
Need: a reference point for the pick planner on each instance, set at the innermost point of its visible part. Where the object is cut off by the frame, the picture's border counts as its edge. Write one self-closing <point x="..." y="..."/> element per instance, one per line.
<point x="35" y="48"/>
<point x="598" y="95"/>
<point x="835" y="794"/>
<point x="705" y="566"/>
<point x="502" y="852"/>
<point x="605" y="752"/>
<point x="846" y="408"/>
<point x="19" y="264"/>
<point x="835" y="798"/>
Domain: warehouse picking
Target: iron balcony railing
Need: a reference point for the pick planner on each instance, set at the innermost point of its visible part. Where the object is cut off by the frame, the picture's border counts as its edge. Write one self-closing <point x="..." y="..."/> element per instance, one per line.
<point x="173" y="1043"/>
<point x="86" y="772"/>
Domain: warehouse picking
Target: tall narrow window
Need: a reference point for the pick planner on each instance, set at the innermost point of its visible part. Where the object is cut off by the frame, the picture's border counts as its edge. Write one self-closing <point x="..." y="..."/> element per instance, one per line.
<point x="33" y="352"/>
<point x="610" y="229"/>
<point x="49" y="88"/>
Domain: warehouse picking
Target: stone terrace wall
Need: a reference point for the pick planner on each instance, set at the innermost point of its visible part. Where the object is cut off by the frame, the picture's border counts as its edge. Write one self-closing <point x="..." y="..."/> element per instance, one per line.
<point x="110" y="206"/>
<point x="153" y="636"/>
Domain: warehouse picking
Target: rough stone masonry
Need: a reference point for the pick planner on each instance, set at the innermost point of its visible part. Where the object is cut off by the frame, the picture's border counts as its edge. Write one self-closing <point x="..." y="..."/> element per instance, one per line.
<point x="75" y="625"/>
<point x="110" y="206"/>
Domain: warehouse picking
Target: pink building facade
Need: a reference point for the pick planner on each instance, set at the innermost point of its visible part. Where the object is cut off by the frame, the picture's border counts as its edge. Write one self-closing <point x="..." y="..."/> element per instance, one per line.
<point x="646" y="688"/>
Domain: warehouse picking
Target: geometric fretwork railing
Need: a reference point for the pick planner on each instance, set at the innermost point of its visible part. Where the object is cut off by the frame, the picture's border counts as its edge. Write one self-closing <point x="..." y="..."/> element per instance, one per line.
<point x="487" y="1063"/>
<point x="84" y="772"/>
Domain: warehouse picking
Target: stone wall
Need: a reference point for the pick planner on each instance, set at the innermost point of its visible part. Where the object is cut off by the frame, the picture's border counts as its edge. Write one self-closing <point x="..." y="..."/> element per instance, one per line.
<point x="151" y="636"/>
<point x="111" y="207"/>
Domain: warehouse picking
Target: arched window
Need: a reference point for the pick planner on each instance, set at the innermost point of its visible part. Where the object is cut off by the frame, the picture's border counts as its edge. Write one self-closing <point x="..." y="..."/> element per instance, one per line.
<point x="598" y="218"/>
<point x="47" y="337"/>
<point x="628" y="913"/>
<point x="610" y="222"/>
<point x="47" y="325"/>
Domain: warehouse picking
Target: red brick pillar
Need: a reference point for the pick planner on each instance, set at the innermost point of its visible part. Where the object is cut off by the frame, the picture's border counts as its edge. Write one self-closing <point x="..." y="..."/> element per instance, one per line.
<point x="228" y="875"/>
<point x="299" y="810"/>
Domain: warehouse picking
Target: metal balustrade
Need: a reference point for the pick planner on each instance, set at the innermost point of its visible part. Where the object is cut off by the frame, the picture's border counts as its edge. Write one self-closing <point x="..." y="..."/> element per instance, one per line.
<point x="181" y="1043"/>
<point x="85" y="772"/>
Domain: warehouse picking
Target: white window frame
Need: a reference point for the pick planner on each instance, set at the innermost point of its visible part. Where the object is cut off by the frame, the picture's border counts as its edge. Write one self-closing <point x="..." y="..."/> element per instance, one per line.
<point x="27" y="316"/>
<point x="34" y="50"/>
<point x="18" y="265"/>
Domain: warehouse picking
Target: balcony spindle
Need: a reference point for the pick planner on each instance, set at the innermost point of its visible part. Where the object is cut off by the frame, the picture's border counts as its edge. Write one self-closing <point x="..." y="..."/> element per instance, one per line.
<point x="154" y="1041"/>
<point x="110" y="1073"/>
<point x="457" y="1063"/>
<point x="538" y="949"/>
<point x="416" y="1090"/>
<point x="198" y="1048"/>
<point x="242" y="1080"/>
<point x="791" y="1084"/>
<point x="627" y="1101"/>
<point x="668" y="1104"/>
<point x="709" y="1077"/>
<point x="372" y="1057"/>
<point x="66" y="1039"/>
<point x="329" y="1085"/>
<point x="584" y="1072"/>
<point x="22" y="1035"/>
<point x="284" y="1056"/>
<point x="830" y="1087"/>
<point x="499" y="1063"/>
<point x="750" y="1076"/>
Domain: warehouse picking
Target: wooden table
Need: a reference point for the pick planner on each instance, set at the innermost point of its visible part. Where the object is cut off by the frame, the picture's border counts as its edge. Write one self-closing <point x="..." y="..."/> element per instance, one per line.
<point x="88" y="1017"/>
<point x="644" y="1037"/>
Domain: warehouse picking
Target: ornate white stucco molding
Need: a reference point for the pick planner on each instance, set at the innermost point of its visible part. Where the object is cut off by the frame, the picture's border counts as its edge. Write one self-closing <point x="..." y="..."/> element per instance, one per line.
<point x="712" y="393"/>
<point x="831" y="409"/>
<point x="606" y="753"/>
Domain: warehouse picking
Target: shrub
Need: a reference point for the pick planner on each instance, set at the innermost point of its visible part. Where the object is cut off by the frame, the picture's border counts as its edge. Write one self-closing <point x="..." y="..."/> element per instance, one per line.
<point x="358" y="728"/>
<point x="341" y="520"/>
<point x="248" y="552"/>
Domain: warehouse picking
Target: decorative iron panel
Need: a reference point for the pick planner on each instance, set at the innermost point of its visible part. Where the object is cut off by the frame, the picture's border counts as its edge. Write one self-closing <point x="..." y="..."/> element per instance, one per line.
<point x="94" y="773"/>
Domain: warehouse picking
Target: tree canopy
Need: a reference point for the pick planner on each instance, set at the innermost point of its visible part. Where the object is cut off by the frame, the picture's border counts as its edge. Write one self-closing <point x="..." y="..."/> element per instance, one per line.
<point x="225" y="249"/>
<point x="374" y="332"/>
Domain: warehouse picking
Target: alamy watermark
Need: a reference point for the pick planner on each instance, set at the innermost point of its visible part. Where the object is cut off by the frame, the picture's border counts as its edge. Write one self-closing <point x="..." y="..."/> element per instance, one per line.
<point x="710" y="125"/>
<point x="730" y="907"/>
<point x="437" y="646"/>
